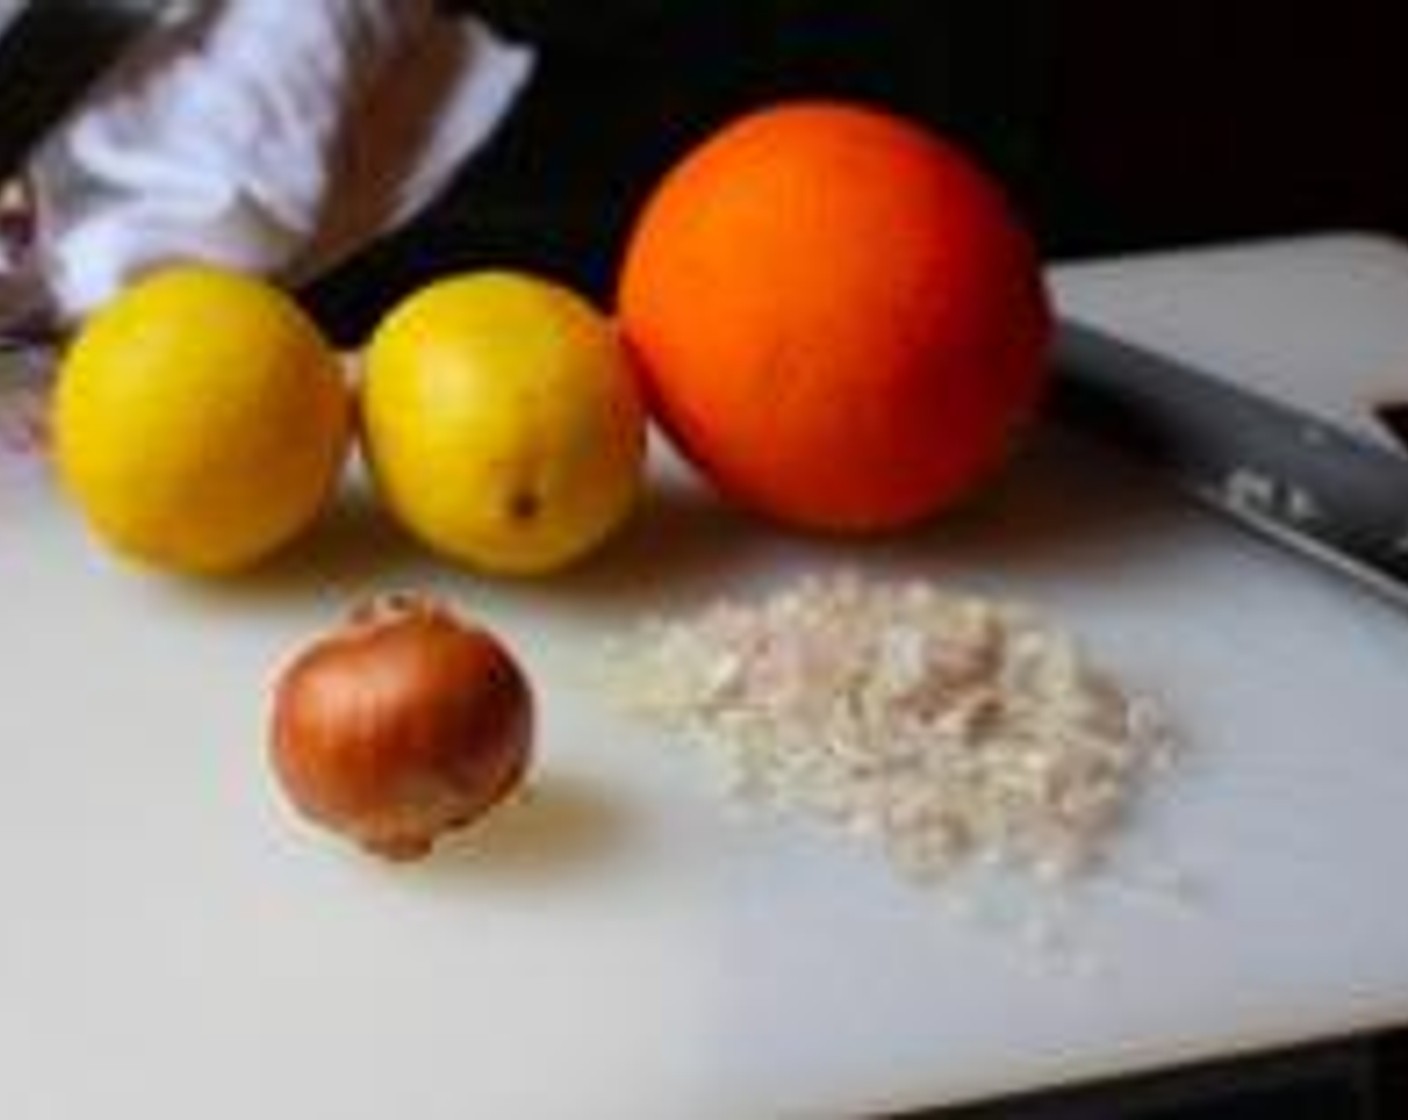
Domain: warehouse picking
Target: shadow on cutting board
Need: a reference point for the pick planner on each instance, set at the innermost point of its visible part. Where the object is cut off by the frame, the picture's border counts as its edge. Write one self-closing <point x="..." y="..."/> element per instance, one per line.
<point x="1061" y="509"/>
<point x="556" y="825"/>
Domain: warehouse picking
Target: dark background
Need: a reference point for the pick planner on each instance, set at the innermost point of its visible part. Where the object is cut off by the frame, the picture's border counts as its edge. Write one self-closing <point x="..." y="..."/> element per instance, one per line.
<point x="1117" y="124"/>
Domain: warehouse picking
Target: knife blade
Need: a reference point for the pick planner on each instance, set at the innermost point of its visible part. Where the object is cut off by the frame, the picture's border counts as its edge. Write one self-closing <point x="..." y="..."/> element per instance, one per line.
<point x="1285" y="473"/>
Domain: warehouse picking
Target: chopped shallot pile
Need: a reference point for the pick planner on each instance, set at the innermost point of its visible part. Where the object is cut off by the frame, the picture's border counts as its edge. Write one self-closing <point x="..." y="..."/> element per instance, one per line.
<point x="950" y="728"/>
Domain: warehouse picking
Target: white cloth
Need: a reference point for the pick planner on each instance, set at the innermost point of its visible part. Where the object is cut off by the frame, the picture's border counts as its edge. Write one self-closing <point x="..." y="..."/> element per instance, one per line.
<point x="266" y="135"/>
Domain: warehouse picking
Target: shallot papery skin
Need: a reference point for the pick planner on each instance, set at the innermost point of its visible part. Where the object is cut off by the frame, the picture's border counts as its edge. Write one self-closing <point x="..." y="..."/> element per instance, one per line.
<point x="401" y="725"/>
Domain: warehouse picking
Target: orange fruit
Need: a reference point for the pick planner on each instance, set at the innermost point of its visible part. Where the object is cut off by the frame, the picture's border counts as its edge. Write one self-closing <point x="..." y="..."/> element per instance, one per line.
<point x="839" y="318"/>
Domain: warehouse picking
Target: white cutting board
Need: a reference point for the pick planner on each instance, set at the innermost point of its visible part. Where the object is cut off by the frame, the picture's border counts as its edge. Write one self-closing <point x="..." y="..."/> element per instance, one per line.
<point x="1309" y="320"/>
<point x="173" y="944"/>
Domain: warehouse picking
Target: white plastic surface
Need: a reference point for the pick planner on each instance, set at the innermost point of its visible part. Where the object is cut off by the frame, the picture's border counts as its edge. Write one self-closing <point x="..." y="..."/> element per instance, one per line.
<point x="174" y="944"/>
<point x="1319" y="336"/>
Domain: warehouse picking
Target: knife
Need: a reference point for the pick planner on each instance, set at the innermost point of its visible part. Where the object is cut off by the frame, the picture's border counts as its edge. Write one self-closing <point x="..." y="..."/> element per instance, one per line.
<point x="1300" y="479"/>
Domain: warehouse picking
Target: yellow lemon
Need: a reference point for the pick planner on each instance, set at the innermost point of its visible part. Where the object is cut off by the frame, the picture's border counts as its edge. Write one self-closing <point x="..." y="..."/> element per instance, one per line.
<point x="200" y="420"/>
<point x="503" y="422"/>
